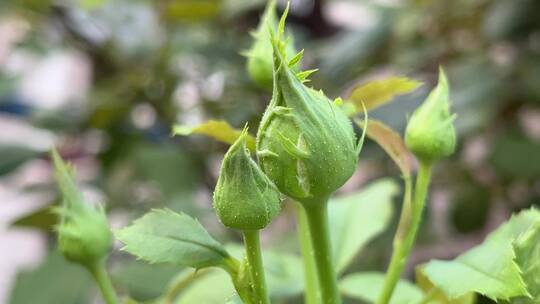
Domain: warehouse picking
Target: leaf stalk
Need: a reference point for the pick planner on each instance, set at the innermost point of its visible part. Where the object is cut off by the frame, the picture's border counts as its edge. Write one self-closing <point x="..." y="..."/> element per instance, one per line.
<point x="409" y="223"/>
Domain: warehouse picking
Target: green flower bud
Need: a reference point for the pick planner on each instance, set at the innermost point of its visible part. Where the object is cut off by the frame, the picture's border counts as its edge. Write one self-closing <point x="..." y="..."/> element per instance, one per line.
<point x="430" y="133"/>
<point x="305" y="143"/>
<point x="244" y="198"/>
<point x="259" y="57"/>
<point x="84" y="235"/>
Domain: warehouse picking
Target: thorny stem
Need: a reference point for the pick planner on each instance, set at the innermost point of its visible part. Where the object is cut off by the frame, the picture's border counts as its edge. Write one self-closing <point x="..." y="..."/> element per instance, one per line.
<point x="311" y="294"/>
<point x="99" y="272"/>
<point x="317" y="218"/>
<point x="255" y="265"/>
<point x="411" y="217"/>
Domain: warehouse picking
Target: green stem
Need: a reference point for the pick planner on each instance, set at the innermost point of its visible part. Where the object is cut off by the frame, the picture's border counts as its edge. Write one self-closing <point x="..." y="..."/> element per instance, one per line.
<point x="235" y="269"/>
<point x="411" y="217"/>
<point x="317" y="218"/>
<point x="311" y="294"/>
<point x="99" y="272"/>
<point x="256" y="269"/>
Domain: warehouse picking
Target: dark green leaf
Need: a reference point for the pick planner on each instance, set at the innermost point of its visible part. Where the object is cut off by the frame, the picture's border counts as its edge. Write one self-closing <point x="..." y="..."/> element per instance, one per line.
<point x="55" y="281"/>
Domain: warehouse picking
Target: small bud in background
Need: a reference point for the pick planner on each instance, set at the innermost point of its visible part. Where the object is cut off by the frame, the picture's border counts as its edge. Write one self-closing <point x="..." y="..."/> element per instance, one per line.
<point x="430" y="133"/>
<point x="305" y="143"/>
<point x="259" y="56"/>
<point x="245" y="198"/>
<point x="84" y="235"/>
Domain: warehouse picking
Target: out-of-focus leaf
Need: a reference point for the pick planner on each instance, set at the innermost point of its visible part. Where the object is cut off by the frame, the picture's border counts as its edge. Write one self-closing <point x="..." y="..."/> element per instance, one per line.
<point x="12" y="157"/>
<point x="515" y="156"/>
<point x="509" y="19"/>
<point x="476" y="91"/>
<point x="284" y="271"/>
<point x="91" y="4"/>
<point x="235" y="300"/>
<point x="366" y="286"/>
<point x="55" y="281"/>
<point x="437" y="296"/>
<point x="190" y="10"/>
<point x="357" y="218"/>
<point x="391" y="142"/>
<point x="212" y="288"/>
<point x="284" y="274"/>
<point x="143" y="281"/>
<point x="490" y="268"/>
<point x="378" y="92"/>
<point x="347" y="55"/>
<point x="527" y="248"/>
<point x="217" y="129"/>
<point x="163" y="236"/>
<point x="42" y="218"/>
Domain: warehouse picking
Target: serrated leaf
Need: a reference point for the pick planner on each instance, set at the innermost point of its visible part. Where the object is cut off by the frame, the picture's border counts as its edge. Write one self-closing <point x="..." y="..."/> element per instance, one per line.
<point x="217" y="129"/>
<point x="378" y="92"/>
<point x="357" y="218"/>
<point x="163" y="236"/>
<point x="391" y="142"/>
<point x="527" y="248"/>
<point x="490" y="268"/>
<point x="436" y="295"/>
<point x="366" y="286"/>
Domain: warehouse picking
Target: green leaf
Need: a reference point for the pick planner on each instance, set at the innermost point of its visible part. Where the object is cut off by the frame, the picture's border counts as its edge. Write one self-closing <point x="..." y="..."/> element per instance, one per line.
<point x="42" y="218"/>
<point x="217" y="129"/>
<point x="357" y="218"/>
<point x="378" y="92"/>
<point x="366" y="286"/>
<point x="490" y="268"/>
<point x="391" y="142"/>
<point x="437" y="296"/>
<point x="143" y="281"/>
<point x="284" y="274"/>
<point x="214" y="287"/>
<point x="55" y="281"/>
<point x="284" y="271"/>
<point x="527" y="248"/>
<point x="190" y="10"/>
<point x="163" y="236"/>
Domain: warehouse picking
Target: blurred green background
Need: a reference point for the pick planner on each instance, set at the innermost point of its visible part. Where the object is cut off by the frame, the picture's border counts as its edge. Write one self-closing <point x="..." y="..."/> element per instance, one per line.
<point x="104" y="80"/>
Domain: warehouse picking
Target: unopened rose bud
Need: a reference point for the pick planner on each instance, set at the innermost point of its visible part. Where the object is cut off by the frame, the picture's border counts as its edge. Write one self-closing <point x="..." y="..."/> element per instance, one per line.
<point x="430" y="133"/>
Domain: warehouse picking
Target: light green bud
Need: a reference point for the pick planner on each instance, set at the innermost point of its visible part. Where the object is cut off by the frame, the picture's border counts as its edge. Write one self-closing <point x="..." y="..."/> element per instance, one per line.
<point x="84" y="235"/>
<point x="244" y="198"/>
<point x="259" y="56"/>
<point x="305" y="143"/>
<point x="430" y="133"/>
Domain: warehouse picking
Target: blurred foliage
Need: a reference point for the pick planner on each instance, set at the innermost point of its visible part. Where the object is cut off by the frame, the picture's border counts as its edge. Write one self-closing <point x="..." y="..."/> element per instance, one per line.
<point x="158" y="63"/>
